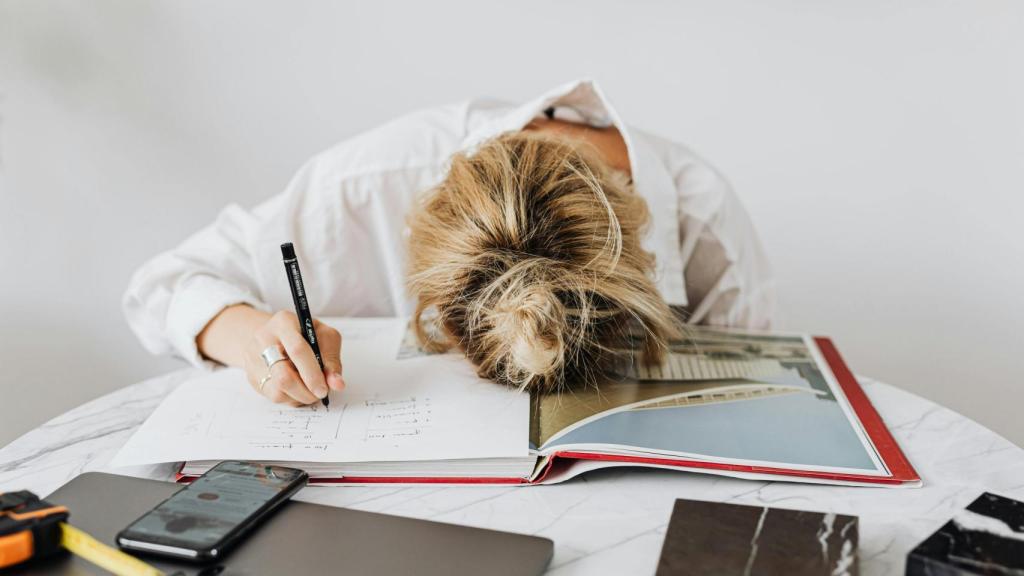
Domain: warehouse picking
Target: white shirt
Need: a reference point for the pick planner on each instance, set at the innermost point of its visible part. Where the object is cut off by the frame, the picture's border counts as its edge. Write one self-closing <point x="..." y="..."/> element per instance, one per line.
<point x="345" y="212"/>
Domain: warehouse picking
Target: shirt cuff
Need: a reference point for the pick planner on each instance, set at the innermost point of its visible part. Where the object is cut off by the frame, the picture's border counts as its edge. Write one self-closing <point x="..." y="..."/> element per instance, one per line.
<point x="197" y="300"/>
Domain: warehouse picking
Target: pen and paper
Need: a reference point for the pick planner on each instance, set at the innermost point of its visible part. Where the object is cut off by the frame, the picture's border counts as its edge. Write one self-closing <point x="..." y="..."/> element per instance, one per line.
<point x="291" y="266"/>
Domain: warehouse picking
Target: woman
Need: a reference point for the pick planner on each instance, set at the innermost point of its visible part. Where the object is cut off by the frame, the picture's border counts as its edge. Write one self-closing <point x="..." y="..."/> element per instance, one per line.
<point x="521" y="233"/>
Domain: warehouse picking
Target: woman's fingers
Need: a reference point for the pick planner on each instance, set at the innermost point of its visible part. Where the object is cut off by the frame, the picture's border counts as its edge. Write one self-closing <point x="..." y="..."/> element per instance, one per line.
<point x="285" y="327"/>
<point x="305" y="362"/>
<point x="298" y="380"/>
<point x="275" y="391"/>
<point x="330" y="351"/>
<point x="285" y="385"/>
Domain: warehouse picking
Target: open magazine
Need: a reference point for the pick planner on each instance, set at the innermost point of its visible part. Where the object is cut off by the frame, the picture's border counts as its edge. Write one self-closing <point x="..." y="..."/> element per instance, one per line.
<point x="738" y="403"/>
<point x="751" y="405"/>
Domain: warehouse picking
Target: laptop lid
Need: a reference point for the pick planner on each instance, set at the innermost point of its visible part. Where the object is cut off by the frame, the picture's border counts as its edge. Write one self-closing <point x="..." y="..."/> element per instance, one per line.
<point x="302" y="538"/>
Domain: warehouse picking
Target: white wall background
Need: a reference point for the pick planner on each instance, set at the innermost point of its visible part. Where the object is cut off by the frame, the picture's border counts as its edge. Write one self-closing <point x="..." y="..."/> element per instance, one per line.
<point x="878" y="145"/>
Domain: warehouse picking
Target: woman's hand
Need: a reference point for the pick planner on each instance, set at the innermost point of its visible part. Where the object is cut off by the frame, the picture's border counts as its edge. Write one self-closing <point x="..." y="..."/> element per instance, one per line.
<point x="297" y="380"/>
<point x="239" y="334"/>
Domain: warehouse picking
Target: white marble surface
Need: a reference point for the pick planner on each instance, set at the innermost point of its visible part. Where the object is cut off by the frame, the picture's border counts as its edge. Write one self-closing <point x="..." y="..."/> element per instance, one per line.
<point x="605" y="522"/>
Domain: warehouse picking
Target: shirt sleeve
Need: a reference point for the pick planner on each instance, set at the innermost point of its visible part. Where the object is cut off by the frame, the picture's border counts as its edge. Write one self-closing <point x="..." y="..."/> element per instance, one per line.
<point x="346" y="200"/>
<point x="173" y="296"/>
<point x="728" y="279"/>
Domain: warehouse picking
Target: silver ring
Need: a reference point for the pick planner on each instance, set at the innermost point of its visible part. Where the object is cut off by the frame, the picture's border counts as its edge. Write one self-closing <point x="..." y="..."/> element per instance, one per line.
<point x="272" y="355"/>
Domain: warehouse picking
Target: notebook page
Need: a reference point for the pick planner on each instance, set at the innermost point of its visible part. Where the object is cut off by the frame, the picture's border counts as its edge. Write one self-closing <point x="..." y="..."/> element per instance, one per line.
<point x="429" y="408"/>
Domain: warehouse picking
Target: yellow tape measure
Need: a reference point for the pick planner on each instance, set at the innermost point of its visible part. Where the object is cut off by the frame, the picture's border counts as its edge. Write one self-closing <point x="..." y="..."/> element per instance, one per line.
<point x="110" y="559"/>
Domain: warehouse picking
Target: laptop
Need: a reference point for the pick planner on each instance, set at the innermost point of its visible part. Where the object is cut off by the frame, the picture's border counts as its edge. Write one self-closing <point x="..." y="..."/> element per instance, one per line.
<point x="301" y="538"/>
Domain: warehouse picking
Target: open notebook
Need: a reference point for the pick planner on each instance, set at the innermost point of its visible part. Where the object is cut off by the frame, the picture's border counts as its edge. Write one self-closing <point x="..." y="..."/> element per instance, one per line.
<point x="752" y="405"/>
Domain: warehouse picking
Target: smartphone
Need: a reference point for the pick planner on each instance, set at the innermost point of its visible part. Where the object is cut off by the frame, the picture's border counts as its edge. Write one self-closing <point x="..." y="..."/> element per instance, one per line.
<point x="206" y="518"/>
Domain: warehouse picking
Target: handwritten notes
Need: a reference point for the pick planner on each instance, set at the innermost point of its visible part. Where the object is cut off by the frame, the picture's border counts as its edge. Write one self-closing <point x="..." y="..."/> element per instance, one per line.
<point x="399" y="418"/>
<point x="427" y="408"/>
<point x="312" y="427"/>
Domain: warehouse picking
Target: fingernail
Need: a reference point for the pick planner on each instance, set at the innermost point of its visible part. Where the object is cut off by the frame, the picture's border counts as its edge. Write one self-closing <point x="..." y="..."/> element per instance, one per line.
<point x="320" y="392"/>
<point x="335" y="381"/>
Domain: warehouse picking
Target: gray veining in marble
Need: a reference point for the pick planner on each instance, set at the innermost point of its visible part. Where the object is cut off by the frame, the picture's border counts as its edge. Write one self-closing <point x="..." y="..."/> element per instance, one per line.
<point x="606" y="522"/>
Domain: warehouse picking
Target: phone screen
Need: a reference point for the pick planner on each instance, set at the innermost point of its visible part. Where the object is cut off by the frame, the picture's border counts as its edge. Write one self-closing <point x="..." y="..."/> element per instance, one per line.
<point x="201" y="516"/>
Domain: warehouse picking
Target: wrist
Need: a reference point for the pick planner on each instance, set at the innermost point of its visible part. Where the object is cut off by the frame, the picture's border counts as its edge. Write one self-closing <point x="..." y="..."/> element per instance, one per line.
<point x="225" y="336"/>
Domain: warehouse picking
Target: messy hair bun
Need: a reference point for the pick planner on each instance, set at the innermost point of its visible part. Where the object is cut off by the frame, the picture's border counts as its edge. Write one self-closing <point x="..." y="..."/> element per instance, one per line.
<point x="529" y="253"/>
<point x="528" y="321"/>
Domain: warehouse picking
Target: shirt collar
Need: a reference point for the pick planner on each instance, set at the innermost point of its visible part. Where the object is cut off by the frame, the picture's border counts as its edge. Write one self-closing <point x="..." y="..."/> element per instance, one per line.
<point x="650" y="177"/>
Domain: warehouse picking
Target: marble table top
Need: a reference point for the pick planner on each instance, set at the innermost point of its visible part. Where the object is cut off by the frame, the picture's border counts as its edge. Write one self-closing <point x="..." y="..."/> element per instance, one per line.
<point x="607" y="521"/>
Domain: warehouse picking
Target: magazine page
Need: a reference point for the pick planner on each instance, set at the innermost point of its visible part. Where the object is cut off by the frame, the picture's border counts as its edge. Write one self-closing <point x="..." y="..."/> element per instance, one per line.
<point x="719" y="396"/>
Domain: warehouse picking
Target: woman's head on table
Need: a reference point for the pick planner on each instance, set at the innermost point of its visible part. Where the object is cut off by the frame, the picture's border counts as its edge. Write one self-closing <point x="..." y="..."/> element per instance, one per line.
<point x="527" y="257"/>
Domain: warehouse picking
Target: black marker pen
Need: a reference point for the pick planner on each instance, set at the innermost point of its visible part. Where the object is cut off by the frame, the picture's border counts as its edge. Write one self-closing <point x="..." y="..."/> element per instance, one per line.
<point x="291" y="266"/>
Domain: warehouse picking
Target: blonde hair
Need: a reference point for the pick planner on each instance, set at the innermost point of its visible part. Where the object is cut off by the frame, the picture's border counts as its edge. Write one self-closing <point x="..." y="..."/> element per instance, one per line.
<point x="529" y="254"/>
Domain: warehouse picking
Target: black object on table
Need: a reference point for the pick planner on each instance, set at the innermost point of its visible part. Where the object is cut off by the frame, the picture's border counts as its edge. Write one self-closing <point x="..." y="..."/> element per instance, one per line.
<point x="725" y="539"/>
<point x="986" y="538"/>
